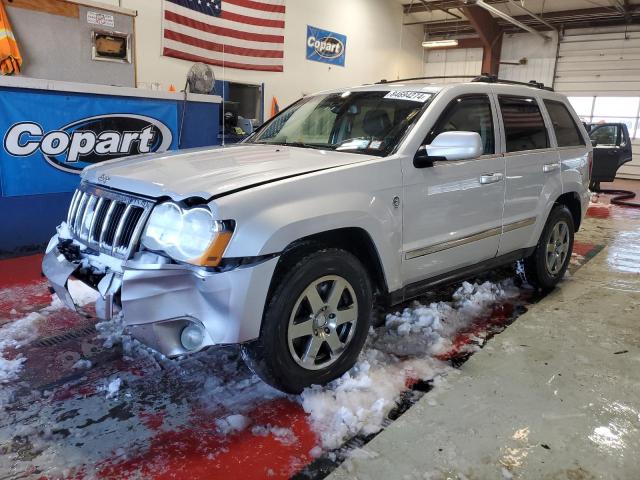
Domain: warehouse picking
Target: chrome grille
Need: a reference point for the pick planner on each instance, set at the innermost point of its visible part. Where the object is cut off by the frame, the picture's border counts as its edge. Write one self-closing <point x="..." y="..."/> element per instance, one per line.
<point x="107" y="221"/>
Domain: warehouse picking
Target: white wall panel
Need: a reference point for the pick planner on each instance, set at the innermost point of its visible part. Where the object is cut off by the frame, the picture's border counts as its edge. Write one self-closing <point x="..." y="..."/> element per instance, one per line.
<point x="453" y="61"/>
<point x="540" y="55"/>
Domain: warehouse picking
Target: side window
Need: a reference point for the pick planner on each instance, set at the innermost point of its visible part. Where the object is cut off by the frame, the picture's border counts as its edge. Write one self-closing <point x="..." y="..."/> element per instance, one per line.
<point x="469" y="113"/>
<point x="567" y="132"/>
<point x="605" y="135"/>
<point x="524" y="127"/>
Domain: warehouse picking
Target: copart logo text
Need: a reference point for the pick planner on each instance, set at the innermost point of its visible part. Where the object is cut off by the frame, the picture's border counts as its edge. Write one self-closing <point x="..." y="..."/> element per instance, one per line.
<point x="90" y="140"/>
<point x="327" y="47"/>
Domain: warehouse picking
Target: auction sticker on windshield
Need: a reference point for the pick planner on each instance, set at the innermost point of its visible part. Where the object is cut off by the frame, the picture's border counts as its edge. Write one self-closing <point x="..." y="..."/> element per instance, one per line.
<point x="412" y="96"/>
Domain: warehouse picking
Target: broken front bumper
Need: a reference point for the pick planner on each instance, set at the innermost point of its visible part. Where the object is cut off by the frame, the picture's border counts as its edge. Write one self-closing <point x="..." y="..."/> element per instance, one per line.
<point x="157" y="301"/>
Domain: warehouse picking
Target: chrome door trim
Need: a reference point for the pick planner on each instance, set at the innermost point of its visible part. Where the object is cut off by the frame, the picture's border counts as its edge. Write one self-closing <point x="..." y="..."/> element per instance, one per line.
<point x="519" y="224"/>
<point x="438" y="247"/>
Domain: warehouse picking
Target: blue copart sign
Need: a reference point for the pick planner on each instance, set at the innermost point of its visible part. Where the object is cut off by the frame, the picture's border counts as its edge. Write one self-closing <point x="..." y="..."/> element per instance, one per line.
<point x="325" y="46"/>
<point x="48" y="138"/>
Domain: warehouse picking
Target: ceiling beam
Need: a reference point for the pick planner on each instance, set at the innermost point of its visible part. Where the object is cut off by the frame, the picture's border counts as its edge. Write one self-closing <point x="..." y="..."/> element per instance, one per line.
<point x="490" y="33"/>
<point x="505" y="16"/>
<point x="567" y="18"/>
<point x="428" y="6"/>
<point x="531" y="14"/>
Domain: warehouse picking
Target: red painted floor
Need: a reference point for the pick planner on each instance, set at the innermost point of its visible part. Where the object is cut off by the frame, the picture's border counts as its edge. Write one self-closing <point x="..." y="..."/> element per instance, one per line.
<point x="164" y="425"/>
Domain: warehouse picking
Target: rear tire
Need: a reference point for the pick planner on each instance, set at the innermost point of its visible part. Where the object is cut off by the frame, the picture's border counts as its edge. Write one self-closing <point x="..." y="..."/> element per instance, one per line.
<point x="315" y="323"/>
<point x="550" y="260"/>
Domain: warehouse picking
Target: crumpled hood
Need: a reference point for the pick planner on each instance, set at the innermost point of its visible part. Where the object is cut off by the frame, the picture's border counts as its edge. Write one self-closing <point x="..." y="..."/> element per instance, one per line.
<point x="208" y="172"/>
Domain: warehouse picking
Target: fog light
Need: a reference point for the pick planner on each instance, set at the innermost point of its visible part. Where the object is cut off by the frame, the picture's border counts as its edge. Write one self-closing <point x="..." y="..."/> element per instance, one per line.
<point x="192" y="337"/>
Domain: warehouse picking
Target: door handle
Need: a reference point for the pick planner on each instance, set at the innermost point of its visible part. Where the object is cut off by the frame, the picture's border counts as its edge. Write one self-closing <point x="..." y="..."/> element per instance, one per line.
<point x="550" y="167"/>
<point x="491" y="178"/>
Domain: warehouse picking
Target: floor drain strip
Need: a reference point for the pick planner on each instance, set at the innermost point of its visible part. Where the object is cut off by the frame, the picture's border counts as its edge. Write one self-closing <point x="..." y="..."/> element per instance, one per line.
<point x="64" y="337"/>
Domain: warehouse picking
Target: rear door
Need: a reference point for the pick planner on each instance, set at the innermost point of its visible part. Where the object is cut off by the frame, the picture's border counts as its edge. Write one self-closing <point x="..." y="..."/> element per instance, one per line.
<point x="612" y="150"/>
<point x="532" y="165"/>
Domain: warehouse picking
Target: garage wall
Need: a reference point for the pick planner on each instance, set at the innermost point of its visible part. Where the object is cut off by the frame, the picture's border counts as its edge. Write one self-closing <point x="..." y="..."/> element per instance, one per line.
<point x="378" y="46"/>
<point x="540" y="55"/>
<point x="600" y="69"/>
<point x="453" y="61"/>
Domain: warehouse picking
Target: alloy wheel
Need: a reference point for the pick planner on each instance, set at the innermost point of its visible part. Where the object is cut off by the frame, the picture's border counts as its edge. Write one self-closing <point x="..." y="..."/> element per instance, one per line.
<point x="557" y="247"/>
<point x="322" y="322"/>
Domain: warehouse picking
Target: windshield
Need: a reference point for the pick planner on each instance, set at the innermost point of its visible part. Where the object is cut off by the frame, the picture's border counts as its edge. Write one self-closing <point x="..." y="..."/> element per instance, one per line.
<point x="360" y="122"/>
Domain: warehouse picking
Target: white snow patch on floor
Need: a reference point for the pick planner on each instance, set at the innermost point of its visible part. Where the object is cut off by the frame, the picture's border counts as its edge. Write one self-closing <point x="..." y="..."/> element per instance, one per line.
<point x="232" y="424"/>
<point x="14" y="335"/>
<point x="82" y="364"/>
<point x="113" y="387"/>
<point x="21" y="331"/>
<point x="401" y="351"/>
<point x="281" y="434"/>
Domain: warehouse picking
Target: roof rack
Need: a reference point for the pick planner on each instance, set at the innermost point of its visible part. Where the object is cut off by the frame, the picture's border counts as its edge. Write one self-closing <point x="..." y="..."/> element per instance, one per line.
<point x="485" y="78"/>
<point x="439" y="77"/>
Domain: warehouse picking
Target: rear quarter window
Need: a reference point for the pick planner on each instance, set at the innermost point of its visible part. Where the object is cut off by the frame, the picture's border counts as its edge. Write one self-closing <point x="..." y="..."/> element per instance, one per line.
<point x="524" y="127"/>
<point x="567" y="132"/>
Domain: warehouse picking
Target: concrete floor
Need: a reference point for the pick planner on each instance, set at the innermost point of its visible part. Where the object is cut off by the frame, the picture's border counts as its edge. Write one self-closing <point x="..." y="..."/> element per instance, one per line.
<point x="555" y="396"/>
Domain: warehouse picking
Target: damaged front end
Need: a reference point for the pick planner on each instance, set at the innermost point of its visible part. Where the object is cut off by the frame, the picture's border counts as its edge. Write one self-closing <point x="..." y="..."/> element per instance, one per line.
<point x="172" y="307"/>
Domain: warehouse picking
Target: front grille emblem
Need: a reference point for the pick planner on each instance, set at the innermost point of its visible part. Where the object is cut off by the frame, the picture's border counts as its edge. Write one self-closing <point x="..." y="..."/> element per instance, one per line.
<point x="104" y="178"/>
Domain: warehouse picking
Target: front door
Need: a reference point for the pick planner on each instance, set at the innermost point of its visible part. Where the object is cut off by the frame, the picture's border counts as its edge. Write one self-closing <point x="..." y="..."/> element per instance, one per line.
<point x="453" y="210"/>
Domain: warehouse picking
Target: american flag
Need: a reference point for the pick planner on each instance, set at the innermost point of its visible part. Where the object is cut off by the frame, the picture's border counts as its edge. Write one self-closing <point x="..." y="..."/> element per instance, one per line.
<point x="244" y="34"/>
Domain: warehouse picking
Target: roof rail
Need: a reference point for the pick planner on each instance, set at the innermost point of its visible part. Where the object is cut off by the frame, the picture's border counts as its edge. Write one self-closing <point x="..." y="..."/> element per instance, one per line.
<point x="485" y="78"/>
<point x="439" y="77"/>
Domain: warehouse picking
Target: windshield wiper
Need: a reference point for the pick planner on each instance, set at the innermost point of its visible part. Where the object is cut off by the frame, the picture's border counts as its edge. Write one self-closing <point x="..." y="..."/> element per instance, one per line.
<point x="317" y="146"/>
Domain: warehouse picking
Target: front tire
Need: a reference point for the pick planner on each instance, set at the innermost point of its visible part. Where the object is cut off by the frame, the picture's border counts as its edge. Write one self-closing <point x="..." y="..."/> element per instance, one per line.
<point x="550" y="260"/>
<point x="315" y="323"/>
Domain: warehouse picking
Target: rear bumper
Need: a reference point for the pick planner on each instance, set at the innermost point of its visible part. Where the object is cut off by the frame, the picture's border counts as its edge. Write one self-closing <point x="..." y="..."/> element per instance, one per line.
<point x="157" y="301"/>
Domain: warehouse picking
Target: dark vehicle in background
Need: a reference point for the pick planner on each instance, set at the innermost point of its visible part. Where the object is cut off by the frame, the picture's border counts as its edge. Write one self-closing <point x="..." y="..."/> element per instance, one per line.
<point x="612" y="149"/>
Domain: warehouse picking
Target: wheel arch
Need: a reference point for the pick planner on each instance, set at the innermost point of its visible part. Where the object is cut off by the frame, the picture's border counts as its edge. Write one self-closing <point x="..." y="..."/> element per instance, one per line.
<point x="571" y="200"/>
<point x="354" y="240"/>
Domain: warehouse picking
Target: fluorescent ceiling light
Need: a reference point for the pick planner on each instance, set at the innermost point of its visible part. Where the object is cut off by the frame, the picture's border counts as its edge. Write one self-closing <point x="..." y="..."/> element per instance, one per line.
<point x="440" y="43"/>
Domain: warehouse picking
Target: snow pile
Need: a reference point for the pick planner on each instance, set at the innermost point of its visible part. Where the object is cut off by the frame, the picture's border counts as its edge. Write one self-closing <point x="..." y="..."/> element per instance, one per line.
<point x="64" y="232"/>
<point x="14" y="335"/>
<point x="396" y="354"/>
<point x="232" y="424"/>
<point x="112" y="332"/>
<point x="113" y="387"/>
<point x="82" y="365"/>
<point x="361" y="399"/>
<point x="430" y="329"/>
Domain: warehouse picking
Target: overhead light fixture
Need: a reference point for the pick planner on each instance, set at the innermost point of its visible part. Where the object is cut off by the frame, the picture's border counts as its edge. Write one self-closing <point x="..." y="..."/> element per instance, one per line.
<point x="440" y="43"/>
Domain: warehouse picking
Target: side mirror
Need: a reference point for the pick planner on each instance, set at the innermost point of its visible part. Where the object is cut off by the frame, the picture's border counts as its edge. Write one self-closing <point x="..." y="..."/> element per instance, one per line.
<point x="456" y="146"/>
<point x="594" y="143"/>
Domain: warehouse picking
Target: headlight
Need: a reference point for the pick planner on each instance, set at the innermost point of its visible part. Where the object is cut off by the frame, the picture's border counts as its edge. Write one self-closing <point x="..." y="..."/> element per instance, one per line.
<point x="187" y="234"/>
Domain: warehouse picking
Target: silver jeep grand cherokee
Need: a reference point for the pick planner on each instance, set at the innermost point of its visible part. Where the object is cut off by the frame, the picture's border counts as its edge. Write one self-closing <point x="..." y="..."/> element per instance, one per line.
<point x="284" y="242"/>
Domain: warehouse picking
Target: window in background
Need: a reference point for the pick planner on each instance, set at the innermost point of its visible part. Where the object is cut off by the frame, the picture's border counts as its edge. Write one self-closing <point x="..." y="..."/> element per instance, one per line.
<point x="582" y="105"/>
<point x="616" y="107"/>
<point x="609" y="110"/>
